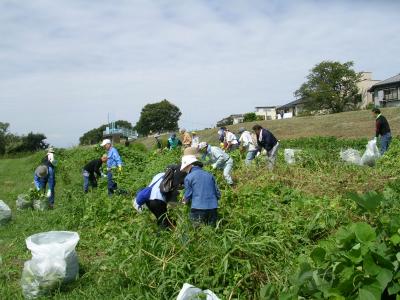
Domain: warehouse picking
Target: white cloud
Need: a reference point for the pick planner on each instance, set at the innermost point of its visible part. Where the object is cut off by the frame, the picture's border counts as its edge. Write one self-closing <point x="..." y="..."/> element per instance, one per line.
<point x="65" y="64"/>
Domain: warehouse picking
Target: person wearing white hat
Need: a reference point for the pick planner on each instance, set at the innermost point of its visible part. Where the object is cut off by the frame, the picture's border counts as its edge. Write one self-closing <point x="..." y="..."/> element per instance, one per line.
<point x="114" y="161"/>
<point x="201" y="192"/>
<point x="50" y="179"/>
<point x="248" y="141"/>
<point x="218" y="159"/>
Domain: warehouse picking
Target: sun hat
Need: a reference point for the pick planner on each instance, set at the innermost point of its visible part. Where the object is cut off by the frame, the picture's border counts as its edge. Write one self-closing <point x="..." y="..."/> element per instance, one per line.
<point x="41" y="171"/>
<point x="242" y="129"/>
<point x="202" y="145"/>
<point x="190" y="151"/>
<point x="50" y="150"/>
<point x="187" y="160"/>
<point x="105" y="142"/>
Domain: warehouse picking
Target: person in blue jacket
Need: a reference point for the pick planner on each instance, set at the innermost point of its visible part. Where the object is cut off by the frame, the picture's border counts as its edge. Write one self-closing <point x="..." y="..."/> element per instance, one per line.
<point x="201" y="192"/>
<point x="114" y="162"/>
<point x="266" y="140"/>
<point x="44" y="177"/>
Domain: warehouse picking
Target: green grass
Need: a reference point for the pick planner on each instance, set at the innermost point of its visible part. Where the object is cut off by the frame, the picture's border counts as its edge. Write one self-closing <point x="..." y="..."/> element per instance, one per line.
<point x="268" y="221"/>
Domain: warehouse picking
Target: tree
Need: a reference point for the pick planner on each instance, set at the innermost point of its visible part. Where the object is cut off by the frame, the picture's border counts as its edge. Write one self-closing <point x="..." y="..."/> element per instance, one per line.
<point x="250" y="117"/>
<point x="158" y="117"/>
<point x="331" y="86"/>
<point x="225" y="122"/>
<point x="3" y="134"/>
<point x="95" y="135"/>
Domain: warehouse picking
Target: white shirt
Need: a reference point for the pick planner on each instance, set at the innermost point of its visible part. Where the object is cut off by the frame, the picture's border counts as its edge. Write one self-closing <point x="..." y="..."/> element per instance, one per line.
<point x="247" y="141"/>
<point x="155" y="191"/>
<point x="195" y="141"/>
<point x="231" y="138"/>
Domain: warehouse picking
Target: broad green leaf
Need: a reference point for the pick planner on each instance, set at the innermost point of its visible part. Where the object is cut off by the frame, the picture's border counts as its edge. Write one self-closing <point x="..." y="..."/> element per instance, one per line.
<point x="384" y="277"/>
<point x="366" y="295"/>
<point x="395" y="239"/>
<point x="394" y="288"/>
<point x="318" y="255"/>
<point x="368" y="202"/>
<point x="364" y="232"/>
<point x="370" y="267"/>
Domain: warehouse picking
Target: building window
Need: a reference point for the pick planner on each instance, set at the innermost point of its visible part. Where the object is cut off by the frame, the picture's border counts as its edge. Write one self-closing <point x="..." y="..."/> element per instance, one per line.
<point x="390" y="94"/>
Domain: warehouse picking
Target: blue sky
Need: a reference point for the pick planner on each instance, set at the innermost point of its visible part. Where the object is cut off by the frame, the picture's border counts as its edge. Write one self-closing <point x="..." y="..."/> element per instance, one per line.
<point x="64" y="65"/>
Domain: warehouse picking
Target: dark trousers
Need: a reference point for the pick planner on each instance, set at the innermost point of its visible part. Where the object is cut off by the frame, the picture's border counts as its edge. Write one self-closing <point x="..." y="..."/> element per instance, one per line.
<point x="159" y="209"/>
<point x="205" y="216"/>
<point x="89" y="179"/>
<point x="111" y="185"/>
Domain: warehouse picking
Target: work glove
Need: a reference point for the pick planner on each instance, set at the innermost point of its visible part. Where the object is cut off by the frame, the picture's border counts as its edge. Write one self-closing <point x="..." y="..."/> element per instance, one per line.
<point x="214" y="166"/>
<point x="374" y="139"/>
<point x="103" y="175"/>
<point x="48" y="194"/>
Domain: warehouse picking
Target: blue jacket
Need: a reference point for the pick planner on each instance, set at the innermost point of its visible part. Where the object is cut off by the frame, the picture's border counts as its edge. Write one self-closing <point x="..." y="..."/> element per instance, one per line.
<point x="50" y="180"/>
<point x="201" y="189"/>
<point x="114" y="160"/>
<point x="266" y="140"/>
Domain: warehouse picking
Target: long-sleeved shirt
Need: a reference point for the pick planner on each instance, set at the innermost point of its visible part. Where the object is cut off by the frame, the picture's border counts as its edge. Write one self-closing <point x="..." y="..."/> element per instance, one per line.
<point x="155" y="191"/>
<point x="201" y="189"/>
<point x="49" y="180"/>
<point x="382" y="126"/>
<point x="216" y="156"/>
<point x="186" y="139"/>
<point x="246" y="139"/>
<point x="266" y="139"/>
<point x="114" y="160"/>
<point x="93" y="167"/>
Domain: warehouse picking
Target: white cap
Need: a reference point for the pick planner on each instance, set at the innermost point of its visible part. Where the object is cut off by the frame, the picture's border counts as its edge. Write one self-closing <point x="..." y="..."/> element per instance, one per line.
<point x="105" y="142"/>
<point x="187" y="160"/>
<point x="202" y="145"/>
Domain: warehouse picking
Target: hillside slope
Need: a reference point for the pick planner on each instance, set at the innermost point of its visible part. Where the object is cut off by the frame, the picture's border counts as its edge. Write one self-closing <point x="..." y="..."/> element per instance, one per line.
<point x="353" y="124"/>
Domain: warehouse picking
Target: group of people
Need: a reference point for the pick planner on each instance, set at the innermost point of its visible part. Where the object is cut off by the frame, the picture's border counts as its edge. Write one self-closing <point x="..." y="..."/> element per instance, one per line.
<point x="201" y="189"/>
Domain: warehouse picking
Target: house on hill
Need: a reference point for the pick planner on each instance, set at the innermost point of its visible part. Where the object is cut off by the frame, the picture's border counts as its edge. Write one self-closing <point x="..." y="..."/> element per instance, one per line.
<point x="239" y="118"/>
<point x="365" y="83"/>
<point x="266" y="112"/>
<point x="291" y="109"/>
<point x="386" y="92"/>
<point x="119" y="134"/>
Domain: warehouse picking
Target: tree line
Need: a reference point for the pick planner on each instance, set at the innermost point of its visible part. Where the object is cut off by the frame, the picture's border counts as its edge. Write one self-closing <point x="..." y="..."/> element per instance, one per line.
<point x="11" y="143"/>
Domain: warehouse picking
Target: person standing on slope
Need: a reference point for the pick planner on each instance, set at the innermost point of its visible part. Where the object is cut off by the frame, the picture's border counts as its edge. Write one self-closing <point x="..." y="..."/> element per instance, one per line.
<point x="114" y="162"/>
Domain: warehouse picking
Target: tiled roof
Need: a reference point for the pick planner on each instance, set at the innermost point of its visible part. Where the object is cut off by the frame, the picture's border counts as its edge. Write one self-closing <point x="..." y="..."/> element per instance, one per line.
<point x="388" y="81"/>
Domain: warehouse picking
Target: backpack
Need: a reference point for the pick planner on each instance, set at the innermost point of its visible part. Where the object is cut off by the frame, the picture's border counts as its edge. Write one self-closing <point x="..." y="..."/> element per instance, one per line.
<point x="167" y="184"/>
<point x="144" y="194"/>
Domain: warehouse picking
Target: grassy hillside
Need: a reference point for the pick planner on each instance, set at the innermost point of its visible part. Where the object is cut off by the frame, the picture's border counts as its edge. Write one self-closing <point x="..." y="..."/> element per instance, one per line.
<point x="270" y="222"/>
<point x="353" y="124"/>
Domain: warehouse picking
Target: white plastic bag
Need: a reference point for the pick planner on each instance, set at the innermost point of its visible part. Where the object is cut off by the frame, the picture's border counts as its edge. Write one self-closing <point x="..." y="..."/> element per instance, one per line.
<point x="54" y="262"/>
<point x="40" y="204"/>
<point x="5" y="213"/>
<point x="190" y="292"/>
<point x="351" y="156"/>
<point x="22" y="202"/>
<point x="371" y="154"/>
<point x="290" y="156"/>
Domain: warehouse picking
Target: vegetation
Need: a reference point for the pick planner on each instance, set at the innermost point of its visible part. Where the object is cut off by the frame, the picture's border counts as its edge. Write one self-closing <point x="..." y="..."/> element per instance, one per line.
<point x="158" y="117"/>
<point x="250" y="117"/>
<point x="300" y="220"/>
<point x="95" y="135"/>
<point x="12" y="144"/>
<point x="331" y="86"/>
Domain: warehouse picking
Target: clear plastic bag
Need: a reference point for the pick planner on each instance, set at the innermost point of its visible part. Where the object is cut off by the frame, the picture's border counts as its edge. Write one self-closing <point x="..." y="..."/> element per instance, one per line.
<point x="5" y="213"/>
<point x="371" y="154"/>
<point x="23" y="202"/>
<point x="54" y="262"/>
<point x="351" y="156"/>
<point x="190" y="292"/>
<point x="290" y="156"/>
<point x="40" y="204"/>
